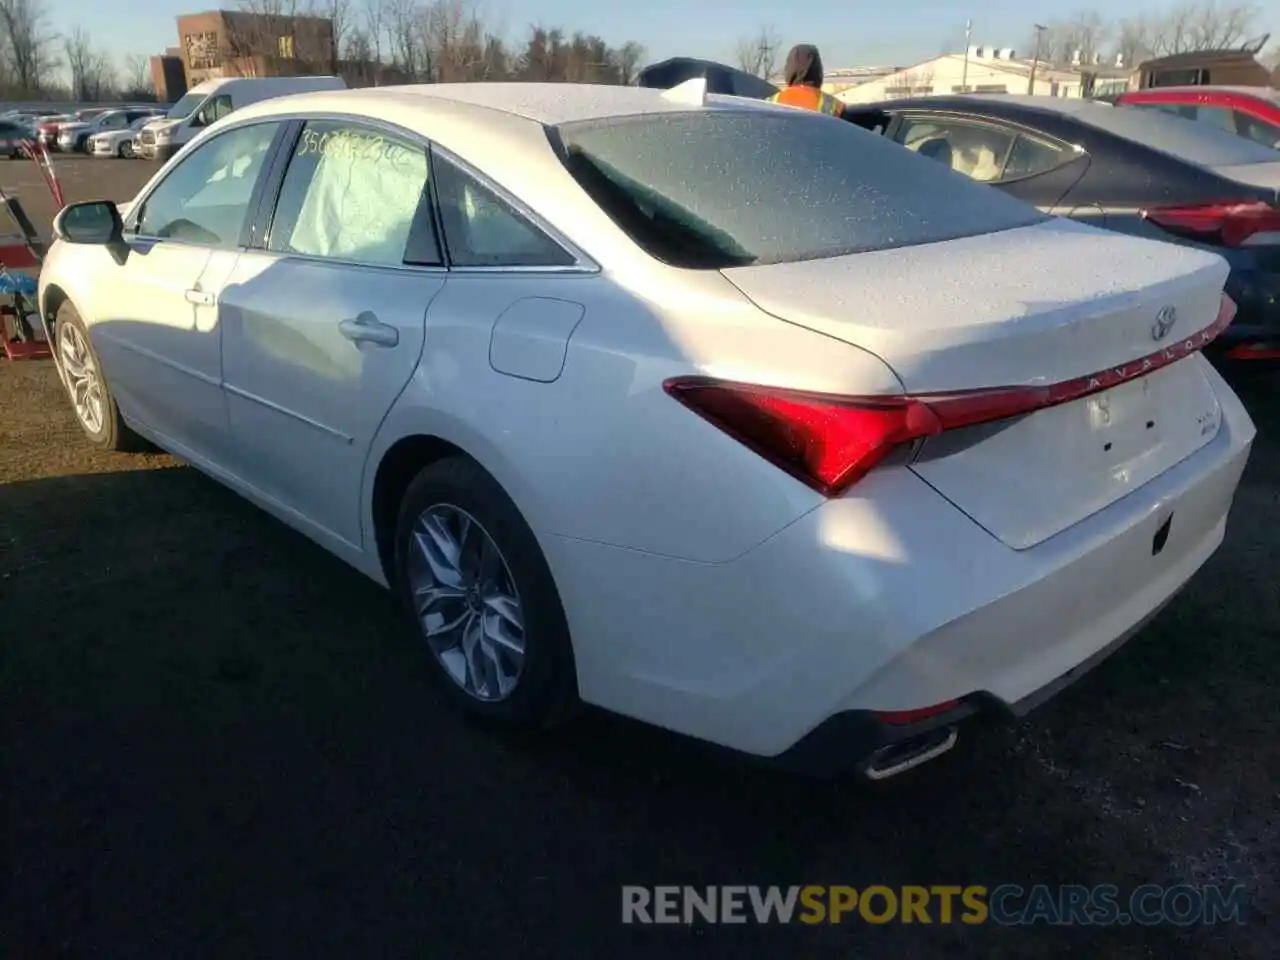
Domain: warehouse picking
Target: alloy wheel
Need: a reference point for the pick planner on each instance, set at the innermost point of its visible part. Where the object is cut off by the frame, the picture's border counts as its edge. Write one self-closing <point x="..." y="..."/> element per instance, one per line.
<point x="84" y="383"/>
<point x="466" y="602"/>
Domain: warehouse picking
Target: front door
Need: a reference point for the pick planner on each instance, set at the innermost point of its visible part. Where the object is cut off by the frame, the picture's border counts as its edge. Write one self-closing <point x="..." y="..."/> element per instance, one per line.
<point x="323" y="328"/>
<point x="159" y="337"/>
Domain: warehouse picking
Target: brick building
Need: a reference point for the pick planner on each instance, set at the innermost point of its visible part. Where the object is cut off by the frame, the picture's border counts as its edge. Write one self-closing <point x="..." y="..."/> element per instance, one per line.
<point x="232" y="43"/>
<point x="168" y="76"/>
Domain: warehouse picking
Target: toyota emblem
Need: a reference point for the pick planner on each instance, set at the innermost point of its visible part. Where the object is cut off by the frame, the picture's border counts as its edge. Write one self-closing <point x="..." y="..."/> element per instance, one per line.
<point x="1165" y="320"/>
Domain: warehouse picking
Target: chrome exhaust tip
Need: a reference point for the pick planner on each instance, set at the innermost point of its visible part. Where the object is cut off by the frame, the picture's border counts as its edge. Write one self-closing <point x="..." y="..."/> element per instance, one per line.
<point x="896" y="758"/>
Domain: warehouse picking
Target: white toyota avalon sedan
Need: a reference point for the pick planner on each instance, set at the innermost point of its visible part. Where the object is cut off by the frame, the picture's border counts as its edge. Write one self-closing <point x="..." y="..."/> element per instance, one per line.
<point x="731" y="417"/>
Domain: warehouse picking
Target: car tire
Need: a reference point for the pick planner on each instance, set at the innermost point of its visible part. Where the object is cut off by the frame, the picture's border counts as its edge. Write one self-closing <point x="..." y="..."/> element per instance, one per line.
<point x="82" y="377"/>
<point x="470" y="664"/>
<point x="126" y="151"/>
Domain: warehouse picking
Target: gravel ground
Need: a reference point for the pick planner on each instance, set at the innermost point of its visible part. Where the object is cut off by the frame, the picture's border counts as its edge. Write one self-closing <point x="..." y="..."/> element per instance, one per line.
<point x="214" y="742"/>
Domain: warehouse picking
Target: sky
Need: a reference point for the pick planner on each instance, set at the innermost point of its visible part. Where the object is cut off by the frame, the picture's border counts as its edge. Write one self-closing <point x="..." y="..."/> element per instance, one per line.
<point x="848" y="34"/>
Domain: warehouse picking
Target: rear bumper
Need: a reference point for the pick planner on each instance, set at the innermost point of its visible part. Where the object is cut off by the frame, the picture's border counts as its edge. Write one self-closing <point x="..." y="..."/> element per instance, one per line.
<point x="888" y="599"/>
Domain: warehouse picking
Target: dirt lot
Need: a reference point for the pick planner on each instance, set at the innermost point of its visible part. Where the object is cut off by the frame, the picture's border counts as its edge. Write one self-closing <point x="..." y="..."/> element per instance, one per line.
<point x="213" y="742"/>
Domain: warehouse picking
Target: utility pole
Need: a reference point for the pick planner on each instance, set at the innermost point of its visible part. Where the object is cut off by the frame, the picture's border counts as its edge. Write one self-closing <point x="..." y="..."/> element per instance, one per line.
<point x="964" y="74"/>
<point x="1035" y="60"/>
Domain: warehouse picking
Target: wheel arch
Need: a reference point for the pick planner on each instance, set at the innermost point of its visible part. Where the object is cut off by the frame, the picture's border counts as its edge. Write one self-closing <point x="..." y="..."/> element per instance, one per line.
<point x="401" y="462"/>
<point x="52" y="299"/>
<point x="399" y="456"/>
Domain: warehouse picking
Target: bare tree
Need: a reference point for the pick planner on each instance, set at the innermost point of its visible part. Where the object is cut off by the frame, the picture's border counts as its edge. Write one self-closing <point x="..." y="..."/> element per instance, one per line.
<point x="135" y="73"/>
<point x="1084" y="35"/>
<point x="628" y="58"/>
<point x="1134" y="41"/>
<point x="758" y="53"/>
<point x="27" y="42"/>
<point x="338" y="13"/>
<point x="78" y="50"/>
<point x="1202" y="25"/>
<point x="375" y="27"/>
<point x="403" y="33"/>
<point x="453" y="38"/>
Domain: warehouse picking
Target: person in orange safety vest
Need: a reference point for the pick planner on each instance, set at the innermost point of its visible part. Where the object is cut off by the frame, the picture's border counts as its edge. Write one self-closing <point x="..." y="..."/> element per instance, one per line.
<point x="804" y="83"/>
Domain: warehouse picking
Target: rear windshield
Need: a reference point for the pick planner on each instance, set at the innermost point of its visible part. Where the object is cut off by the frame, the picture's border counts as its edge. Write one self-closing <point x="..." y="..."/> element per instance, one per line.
<point x="1193" y="141"/>
<point x="721" y="188"/>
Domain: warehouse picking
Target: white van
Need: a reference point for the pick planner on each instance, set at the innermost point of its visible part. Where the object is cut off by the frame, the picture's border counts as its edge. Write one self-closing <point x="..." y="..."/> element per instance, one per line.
<point x="212" y="100"/>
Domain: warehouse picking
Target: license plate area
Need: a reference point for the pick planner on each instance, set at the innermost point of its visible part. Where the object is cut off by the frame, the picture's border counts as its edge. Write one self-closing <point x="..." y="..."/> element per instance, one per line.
<point x="1028" y="479"/>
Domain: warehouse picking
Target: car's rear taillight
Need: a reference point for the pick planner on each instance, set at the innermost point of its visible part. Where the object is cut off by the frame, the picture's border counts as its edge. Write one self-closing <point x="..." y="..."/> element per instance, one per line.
<point x="830" y="442"/>
<point x="1239" y="224"/>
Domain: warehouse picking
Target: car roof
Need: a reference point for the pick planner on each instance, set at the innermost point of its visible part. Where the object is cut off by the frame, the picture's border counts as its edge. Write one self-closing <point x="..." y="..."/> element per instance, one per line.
<point x="542" y="103"/>
<point x="499" y="130"/>
<point x="1267" y="94"/>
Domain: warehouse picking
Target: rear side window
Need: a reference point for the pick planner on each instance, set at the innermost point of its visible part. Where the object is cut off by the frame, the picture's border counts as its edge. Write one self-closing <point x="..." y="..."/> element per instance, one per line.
<point x="483" y="230"/>
<point x="1031" y="156"/>
<point x="1259" y="131"/>
<point x="722" y="188"/>
<point x="1196" y="142"/>
<point x="977" y="150"/>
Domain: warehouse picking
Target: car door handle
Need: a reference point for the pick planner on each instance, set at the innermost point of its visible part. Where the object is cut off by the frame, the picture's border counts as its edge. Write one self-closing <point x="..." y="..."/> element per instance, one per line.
<point x="201" y="298"/>
<point x="367" y="328"/>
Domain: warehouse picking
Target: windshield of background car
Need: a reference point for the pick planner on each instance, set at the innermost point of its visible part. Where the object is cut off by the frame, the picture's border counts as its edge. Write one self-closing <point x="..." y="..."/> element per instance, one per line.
<point x="185" y="107"/>
<point x="721" y="188"/>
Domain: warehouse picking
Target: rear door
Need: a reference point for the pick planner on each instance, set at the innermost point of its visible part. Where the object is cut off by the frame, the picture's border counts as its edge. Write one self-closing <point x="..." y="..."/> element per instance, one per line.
<point x="1028" y="164"/>
<point x="323" y="322"/>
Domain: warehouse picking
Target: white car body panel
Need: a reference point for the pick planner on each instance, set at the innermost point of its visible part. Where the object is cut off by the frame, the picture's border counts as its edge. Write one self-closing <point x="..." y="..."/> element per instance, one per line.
<point x="706" y="590"/>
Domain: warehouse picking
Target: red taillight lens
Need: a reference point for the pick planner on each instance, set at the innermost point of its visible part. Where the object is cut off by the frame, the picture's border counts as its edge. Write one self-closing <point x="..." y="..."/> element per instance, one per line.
<point x="830" y="442"/>
<point x="1231" y="224"/>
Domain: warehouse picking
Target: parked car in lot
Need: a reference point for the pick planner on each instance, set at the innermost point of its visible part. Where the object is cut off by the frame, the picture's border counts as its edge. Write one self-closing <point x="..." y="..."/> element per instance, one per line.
<point x="210" y="101"/>
<point x="722" y="415"/>
<point x="720" y="78"/>
<point x="47" y="129"/>
<point x="12" y="136"/>
<point x="119" y="142"/>
<point x="1138" y="172"/>
<point x="1249" y="112"/>
<point x="75" y="137"/>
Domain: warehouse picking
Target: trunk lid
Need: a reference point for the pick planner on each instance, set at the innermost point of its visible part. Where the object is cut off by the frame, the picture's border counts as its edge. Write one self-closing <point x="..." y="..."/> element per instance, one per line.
<point x="1260" y="176"/>
<point x="1033" y="306"/>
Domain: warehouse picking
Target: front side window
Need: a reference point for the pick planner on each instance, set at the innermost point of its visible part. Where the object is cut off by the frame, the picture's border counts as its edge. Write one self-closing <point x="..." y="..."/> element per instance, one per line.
<point x="217" y="108"/>
<point x="112" y="121"/>
<point x="205" y="198"/>
<point x="483" y="230"/>
<point x="976" y="150"/>
<point x="730" y="187"/>
<point x="355" y="194"/>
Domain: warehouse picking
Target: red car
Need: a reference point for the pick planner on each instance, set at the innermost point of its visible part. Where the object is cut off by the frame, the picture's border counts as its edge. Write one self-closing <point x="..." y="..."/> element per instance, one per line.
<point x="1249" y="112"/>
<point x="47" y="130"/>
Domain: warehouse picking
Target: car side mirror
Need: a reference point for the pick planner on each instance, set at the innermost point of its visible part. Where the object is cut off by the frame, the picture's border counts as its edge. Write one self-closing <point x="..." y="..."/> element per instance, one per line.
<point x="200" y="120"/>
<point x="93" y="222"/>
